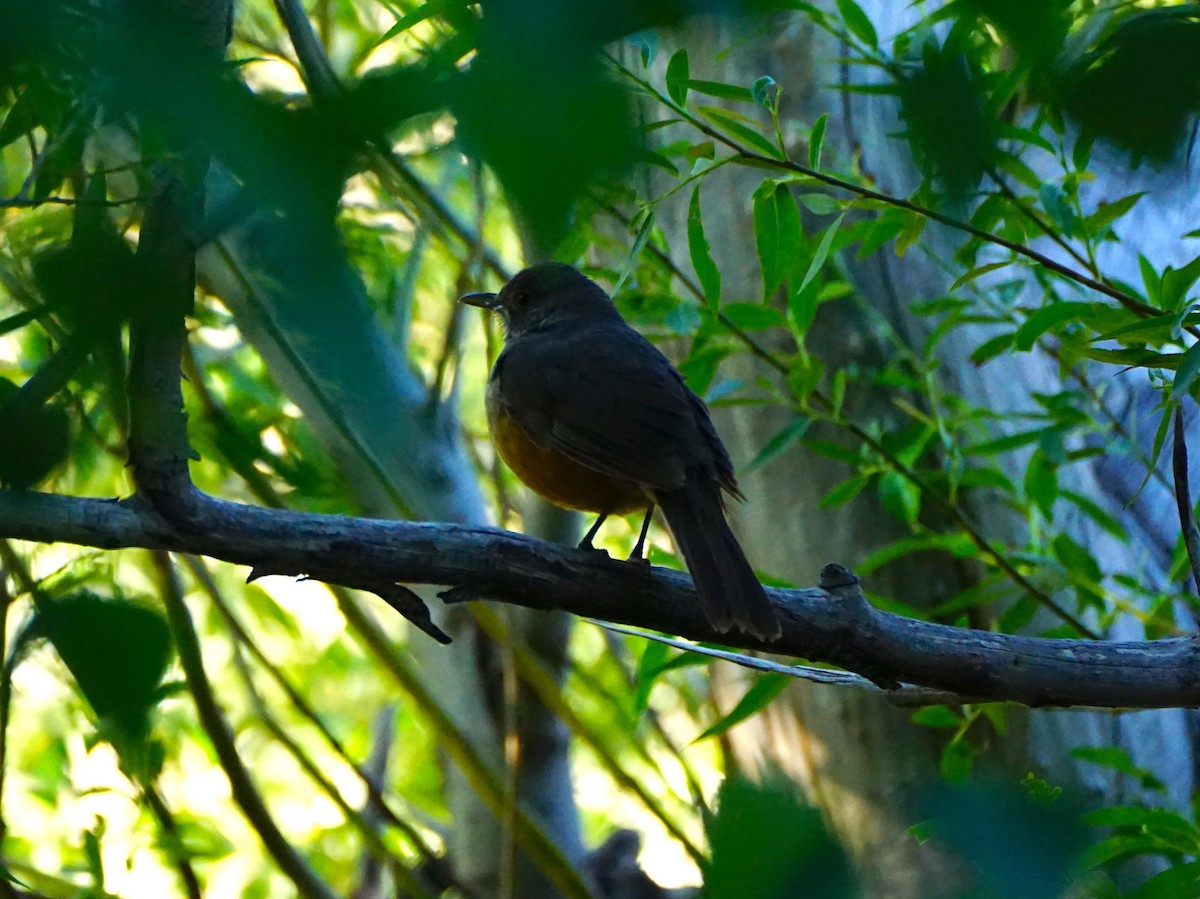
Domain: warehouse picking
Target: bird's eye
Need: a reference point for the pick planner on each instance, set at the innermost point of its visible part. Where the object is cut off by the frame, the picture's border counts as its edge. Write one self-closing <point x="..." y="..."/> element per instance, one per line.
<point x="522" y="299"/>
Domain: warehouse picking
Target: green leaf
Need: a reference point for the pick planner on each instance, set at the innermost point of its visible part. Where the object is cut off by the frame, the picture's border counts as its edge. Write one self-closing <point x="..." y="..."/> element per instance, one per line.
<point x="761" y="694"/>
<point x="1107" y="213"/>
<point x="765" y="842"/>
<point x="1018" y="615"/>
<point x="1118" y="759"/>
<point x="701" y="252"/>
<point x="914" y="224"/>
<point x="1180" y="881"/>
<point x="9" y="877"/>
<point x="937" y="716"/>
<point x="844" y="492"/>
<point x="761" y="91"/>
<point x="647" y="46"/>
<point x="1041" y="482"/>
<point x="958" y="759"/>
<point x="652" y="663"/>
<point x="117" y="651"/>
<point x="818" y="204"/>
<point x="736" y="126"/>
<point x="677" y="77"/>
<point x="816" y="139"/>
<point x="721" y="89"/>
<point x="1160" y="437"/>
<point x="22" y="118"/>
<point x="1151" y="281"/>
<point x="753" y="316"/>
<point x="958" y="545"/>
<point x="1145" y="328"/>
<point x="791" y="433"/>
<point x="1096" y="513"/>
<point x="992" y="348"/>
<point x="767" y="236"/>
<point x="822" y="253"/>
<point x="777" y="233"/>
<point x="900" y="496"/>
<point x="1177" y="282"/>
<point x="1136" y="358"/>
<point x="971" y="274"/>
<point x="1055" y="202"/>
<point x="420" y="14"/>
<point x="802" y="308"/>
<point x="33" y="441"/>
<point x="1189" y="366"/>
<point x="643" y="235"/>
<point x="1048" y="317"/>
<point x="858" y="23"/>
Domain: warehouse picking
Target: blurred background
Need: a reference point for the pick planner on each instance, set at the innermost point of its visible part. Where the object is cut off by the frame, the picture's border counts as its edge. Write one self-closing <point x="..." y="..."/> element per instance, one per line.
<point x="930" y="265"/>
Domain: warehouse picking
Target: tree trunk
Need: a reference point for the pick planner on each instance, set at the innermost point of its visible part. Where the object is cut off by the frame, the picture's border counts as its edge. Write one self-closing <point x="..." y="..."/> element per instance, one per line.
<point x="861" y="761"/>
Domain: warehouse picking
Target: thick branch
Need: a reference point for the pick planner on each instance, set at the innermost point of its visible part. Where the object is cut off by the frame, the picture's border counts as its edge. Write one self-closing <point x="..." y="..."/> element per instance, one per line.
<point x="836" y="627"/>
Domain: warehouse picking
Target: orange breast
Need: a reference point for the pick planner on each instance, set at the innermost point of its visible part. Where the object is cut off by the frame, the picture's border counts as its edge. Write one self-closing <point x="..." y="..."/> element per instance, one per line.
<point x="556" y="477"/>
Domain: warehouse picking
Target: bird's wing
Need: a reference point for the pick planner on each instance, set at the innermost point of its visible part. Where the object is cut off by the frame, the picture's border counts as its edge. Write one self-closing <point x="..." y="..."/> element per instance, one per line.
<point x="607" y="399"/>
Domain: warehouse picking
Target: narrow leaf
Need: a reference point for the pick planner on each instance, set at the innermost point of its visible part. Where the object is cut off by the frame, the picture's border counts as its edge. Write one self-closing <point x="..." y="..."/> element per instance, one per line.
<point x="822" y="253"/>
<point x="1189" y="366"/>
<point x="819" y="204"/>
<point x="729" y="122"/>
<point x="858" y="23"/>
<point x="766" y="237"/>
<point x="721" y="89"/>
<point x="1049" y="317"/>
<point x="677" y="77"/>
<point x="792" y="432"/>
<point x="815" y="140"/>
<point x="979" y="270"/>
<point x="753" y="316"/>
<point x="701" y="252"/>
<point x="757" y="698"/>
<point x="991" y="348"/>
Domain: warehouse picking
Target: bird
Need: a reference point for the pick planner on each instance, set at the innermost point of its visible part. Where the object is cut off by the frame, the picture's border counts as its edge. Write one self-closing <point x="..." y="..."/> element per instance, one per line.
<point x="590" y="415"/>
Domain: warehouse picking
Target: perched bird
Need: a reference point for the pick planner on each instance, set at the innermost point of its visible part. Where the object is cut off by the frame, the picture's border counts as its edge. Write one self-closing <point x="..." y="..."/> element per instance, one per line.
<point x="591" y="416"/>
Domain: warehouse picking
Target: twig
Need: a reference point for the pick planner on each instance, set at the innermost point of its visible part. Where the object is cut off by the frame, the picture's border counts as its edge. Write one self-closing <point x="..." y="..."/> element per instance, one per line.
<point x="374" y="795"/>
<point x="826" y="406"/>
<point x="241" y="785"/>
<point x="174" y="846"/>
<point x="905" y="695"/>
<point x="536" y="844"/>
<point x="1183" y="499"/>
<point x="784" y="164"/>
<point x="535" y="675"/>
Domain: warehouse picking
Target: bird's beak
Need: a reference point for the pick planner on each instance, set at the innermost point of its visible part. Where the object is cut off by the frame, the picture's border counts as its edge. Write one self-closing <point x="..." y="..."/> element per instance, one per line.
<point x="482" y="300"/>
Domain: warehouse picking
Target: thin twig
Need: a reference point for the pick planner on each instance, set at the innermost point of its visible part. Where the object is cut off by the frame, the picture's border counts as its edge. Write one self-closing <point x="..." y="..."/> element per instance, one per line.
<point x="786" y="164"/>
<point x="174" y="846"/>
<point x="291" y="863"/>
<point x="1183" y="499"/>
<point x="826" y="406"/>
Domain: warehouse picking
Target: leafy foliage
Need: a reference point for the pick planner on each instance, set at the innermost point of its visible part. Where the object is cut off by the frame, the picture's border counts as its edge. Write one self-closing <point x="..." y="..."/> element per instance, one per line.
<point x="1002" y="106"/>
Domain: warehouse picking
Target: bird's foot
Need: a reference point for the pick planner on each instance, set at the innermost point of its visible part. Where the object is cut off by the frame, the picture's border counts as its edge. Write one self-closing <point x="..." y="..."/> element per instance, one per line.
<point x="587" y="545"/>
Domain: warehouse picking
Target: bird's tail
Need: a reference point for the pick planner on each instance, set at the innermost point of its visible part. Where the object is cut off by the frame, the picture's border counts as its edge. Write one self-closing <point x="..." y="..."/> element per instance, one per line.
<point x="730" y="593"/>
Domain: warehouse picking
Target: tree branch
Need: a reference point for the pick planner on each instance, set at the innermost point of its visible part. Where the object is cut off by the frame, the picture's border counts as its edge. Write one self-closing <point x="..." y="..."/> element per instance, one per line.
<point x="834" y="625"/>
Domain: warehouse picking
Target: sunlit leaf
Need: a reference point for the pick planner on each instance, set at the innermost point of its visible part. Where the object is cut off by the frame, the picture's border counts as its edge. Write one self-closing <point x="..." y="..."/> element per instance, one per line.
<point x="762" y="693"/>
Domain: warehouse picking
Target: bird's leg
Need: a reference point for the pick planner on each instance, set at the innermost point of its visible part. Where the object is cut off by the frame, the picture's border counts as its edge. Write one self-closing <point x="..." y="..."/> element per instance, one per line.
<point x="586" y="542"/>
<point x="637" y="555"/>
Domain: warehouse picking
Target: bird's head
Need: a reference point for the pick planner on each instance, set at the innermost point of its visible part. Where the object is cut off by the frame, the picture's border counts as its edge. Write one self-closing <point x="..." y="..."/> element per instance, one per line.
<point x="545" y="294"/>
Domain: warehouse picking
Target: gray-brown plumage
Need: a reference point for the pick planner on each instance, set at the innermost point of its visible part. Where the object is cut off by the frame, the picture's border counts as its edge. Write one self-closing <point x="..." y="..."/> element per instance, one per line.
<point x="590" y="415"/>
